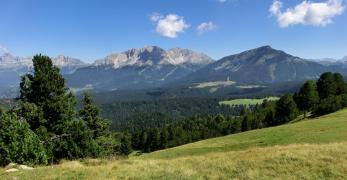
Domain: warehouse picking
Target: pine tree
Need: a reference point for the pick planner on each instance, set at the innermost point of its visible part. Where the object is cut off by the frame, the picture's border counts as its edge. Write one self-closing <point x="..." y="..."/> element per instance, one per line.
<point x="326" y="85"/>
<point x="286" y="110"/>
<point x="49" y="107"/>
<point x="91" y="115"/>
<point x="47" y="90"/>
<point x="341" y="86"/>
<point x="307" y="98"/>
<point x="125" y="145"/>
<point x="164" y="138"/>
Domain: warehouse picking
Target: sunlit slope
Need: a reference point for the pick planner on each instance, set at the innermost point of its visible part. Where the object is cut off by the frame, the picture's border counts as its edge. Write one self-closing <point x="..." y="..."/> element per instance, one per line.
<point x="295" y="161"/>
<point x="312" y="149"/>
<point x="325" y="129"/>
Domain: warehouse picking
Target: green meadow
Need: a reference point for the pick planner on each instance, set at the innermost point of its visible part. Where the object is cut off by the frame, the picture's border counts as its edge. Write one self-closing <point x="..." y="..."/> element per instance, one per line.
<point x="247" y="102"/>
<point x="308" y="149"/>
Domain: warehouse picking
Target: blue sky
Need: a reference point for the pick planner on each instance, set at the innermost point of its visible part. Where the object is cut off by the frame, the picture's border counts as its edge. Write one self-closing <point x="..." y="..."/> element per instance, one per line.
<point x="92" y="29"/>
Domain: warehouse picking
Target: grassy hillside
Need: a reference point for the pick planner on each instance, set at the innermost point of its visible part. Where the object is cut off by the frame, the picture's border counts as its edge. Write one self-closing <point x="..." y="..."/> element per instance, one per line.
<point x="311" y="149"/>
<point x="325" y="129"/>
<point x="236" y="102"/>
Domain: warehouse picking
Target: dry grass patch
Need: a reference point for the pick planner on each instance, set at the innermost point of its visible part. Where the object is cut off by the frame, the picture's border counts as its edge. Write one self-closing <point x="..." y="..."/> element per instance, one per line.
<point x="299" y="161"/>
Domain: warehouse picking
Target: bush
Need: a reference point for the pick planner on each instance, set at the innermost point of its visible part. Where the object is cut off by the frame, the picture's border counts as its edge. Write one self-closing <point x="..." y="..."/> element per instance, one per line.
<point x="77" y="142"/>
<point x="109" y="144"/>
<point x="18" y="143"/>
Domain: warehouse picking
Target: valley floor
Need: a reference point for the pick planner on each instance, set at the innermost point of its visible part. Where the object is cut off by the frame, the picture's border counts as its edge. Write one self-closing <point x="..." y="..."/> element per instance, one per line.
<point x="311" y="149"/>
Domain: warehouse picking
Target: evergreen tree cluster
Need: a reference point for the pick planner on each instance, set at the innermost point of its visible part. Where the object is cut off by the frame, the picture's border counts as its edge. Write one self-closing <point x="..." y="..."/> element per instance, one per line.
<point x="46" y="126"/>
<point x="136" y="115"/>
<point x="332" y="92"/>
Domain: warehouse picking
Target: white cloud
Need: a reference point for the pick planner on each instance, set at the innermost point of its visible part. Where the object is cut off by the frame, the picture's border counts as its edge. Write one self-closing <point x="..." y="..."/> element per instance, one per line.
<point x="155" y="17"/>
<point x="222" y="1"/>
<point x="3" y="50"/>
<point x="205" y="27"/>
<point x="170" y="25"/>
<point x="307" y="12"/>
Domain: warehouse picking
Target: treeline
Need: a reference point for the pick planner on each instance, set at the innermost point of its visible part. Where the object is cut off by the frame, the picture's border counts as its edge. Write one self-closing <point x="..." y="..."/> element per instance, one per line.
<point x="189" y="130"/>
<point x="46" y="126"/>
<point x="328" y="95"/>
<point x="134" y="116"/>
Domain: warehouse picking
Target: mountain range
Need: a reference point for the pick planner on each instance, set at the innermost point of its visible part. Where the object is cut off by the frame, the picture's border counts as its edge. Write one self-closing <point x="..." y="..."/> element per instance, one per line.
<point x="154" y="67"/>
<point x="12" y="67"/>
<point x="333" y="62"/>
<point x="263" y="65"/>
<point x="146" y="67"/>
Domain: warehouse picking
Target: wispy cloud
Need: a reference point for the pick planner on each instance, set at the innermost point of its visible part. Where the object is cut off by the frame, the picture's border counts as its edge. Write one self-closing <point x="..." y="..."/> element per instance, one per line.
<point x="3" y="50"/>
<point x="222" y="1"/>
<point x="169" y="25"/>
<point x="205" y="27"/>
<point x="307" y="12"/>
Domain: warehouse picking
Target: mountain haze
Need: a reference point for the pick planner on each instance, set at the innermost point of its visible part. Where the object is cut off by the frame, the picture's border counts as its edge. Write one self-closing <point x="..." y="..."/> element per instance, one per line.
<point x="12" y="67"/>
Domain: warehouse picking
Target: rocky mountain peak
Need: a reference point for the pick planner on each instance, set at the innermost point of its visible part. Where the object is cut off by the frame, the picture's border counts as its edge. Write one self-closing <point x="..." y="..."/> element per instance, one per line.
<point x="67" y="64"/>
<point x="183" y="56"/>
<point x="155" y="56"/>
<point x="62" y="60"/>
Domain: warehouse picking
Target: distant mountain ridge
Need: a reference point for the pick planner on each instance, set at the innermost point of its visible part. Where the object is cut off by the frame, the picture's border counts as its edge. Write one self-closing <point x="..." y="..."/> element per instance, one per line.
<point x="12" y="67"/>
<point x="153" y="55"/>
<point x="263" y="65"/>
<point x="333" y="62"/>
<point x="11" y="62"/>
<point x="146" y="67"/>
<point x="153" y="67"/>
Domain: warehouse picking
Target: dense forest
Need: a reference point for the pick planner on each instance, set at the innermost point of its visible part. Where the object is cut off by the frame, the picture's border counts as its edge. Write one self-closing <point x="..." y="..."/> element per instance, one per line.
<point x="133" y="116"/>
<point x="328" y="95"/>
<point x="46" y="126"/>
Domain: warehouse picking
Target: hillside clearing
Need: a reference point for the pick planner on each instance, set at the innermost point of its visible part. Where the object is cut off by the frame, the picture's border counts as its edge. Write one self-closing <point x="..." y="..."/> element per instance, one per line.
<point x="214" y="84"/>
<point x="247" y="102"/>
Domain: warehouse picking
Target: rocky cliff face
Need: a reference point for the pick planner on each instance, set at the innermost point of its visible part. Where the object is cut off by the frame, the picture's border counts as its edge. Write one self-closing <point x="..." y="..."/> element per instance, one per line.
<point x="146" y="67"/>
<point x="153" y="56"/>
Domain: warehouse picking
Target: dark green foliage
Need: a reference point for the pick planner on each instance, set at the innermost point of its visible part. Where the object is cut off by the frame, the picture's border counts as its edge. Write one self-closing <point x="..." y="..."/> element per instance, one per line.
<point x="267" y="114"/>
<point x="286" y="110"/>
<point x="77" y="142"/>
<point x="134" y="116"/>
<point x="201" y="127"/>
<point x="341" y="86"/>
<point x="125" y="145"/>
<point x="164" y="139"/>
<point x="326" y="85"/>
<point x="46" y="89"/>
<point x="307" y="98"/>
<point x="18" y="143"/>
<point x="90" y="114"/>
<point x="332" y="90"/>
<point x="329" y="105"/>
<point x="32" y="114"/>
<point x="109" y="144"/>
<point x="189" y="130"/>
<point x="49" y="107"/>
<point x="344" y="100"/>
